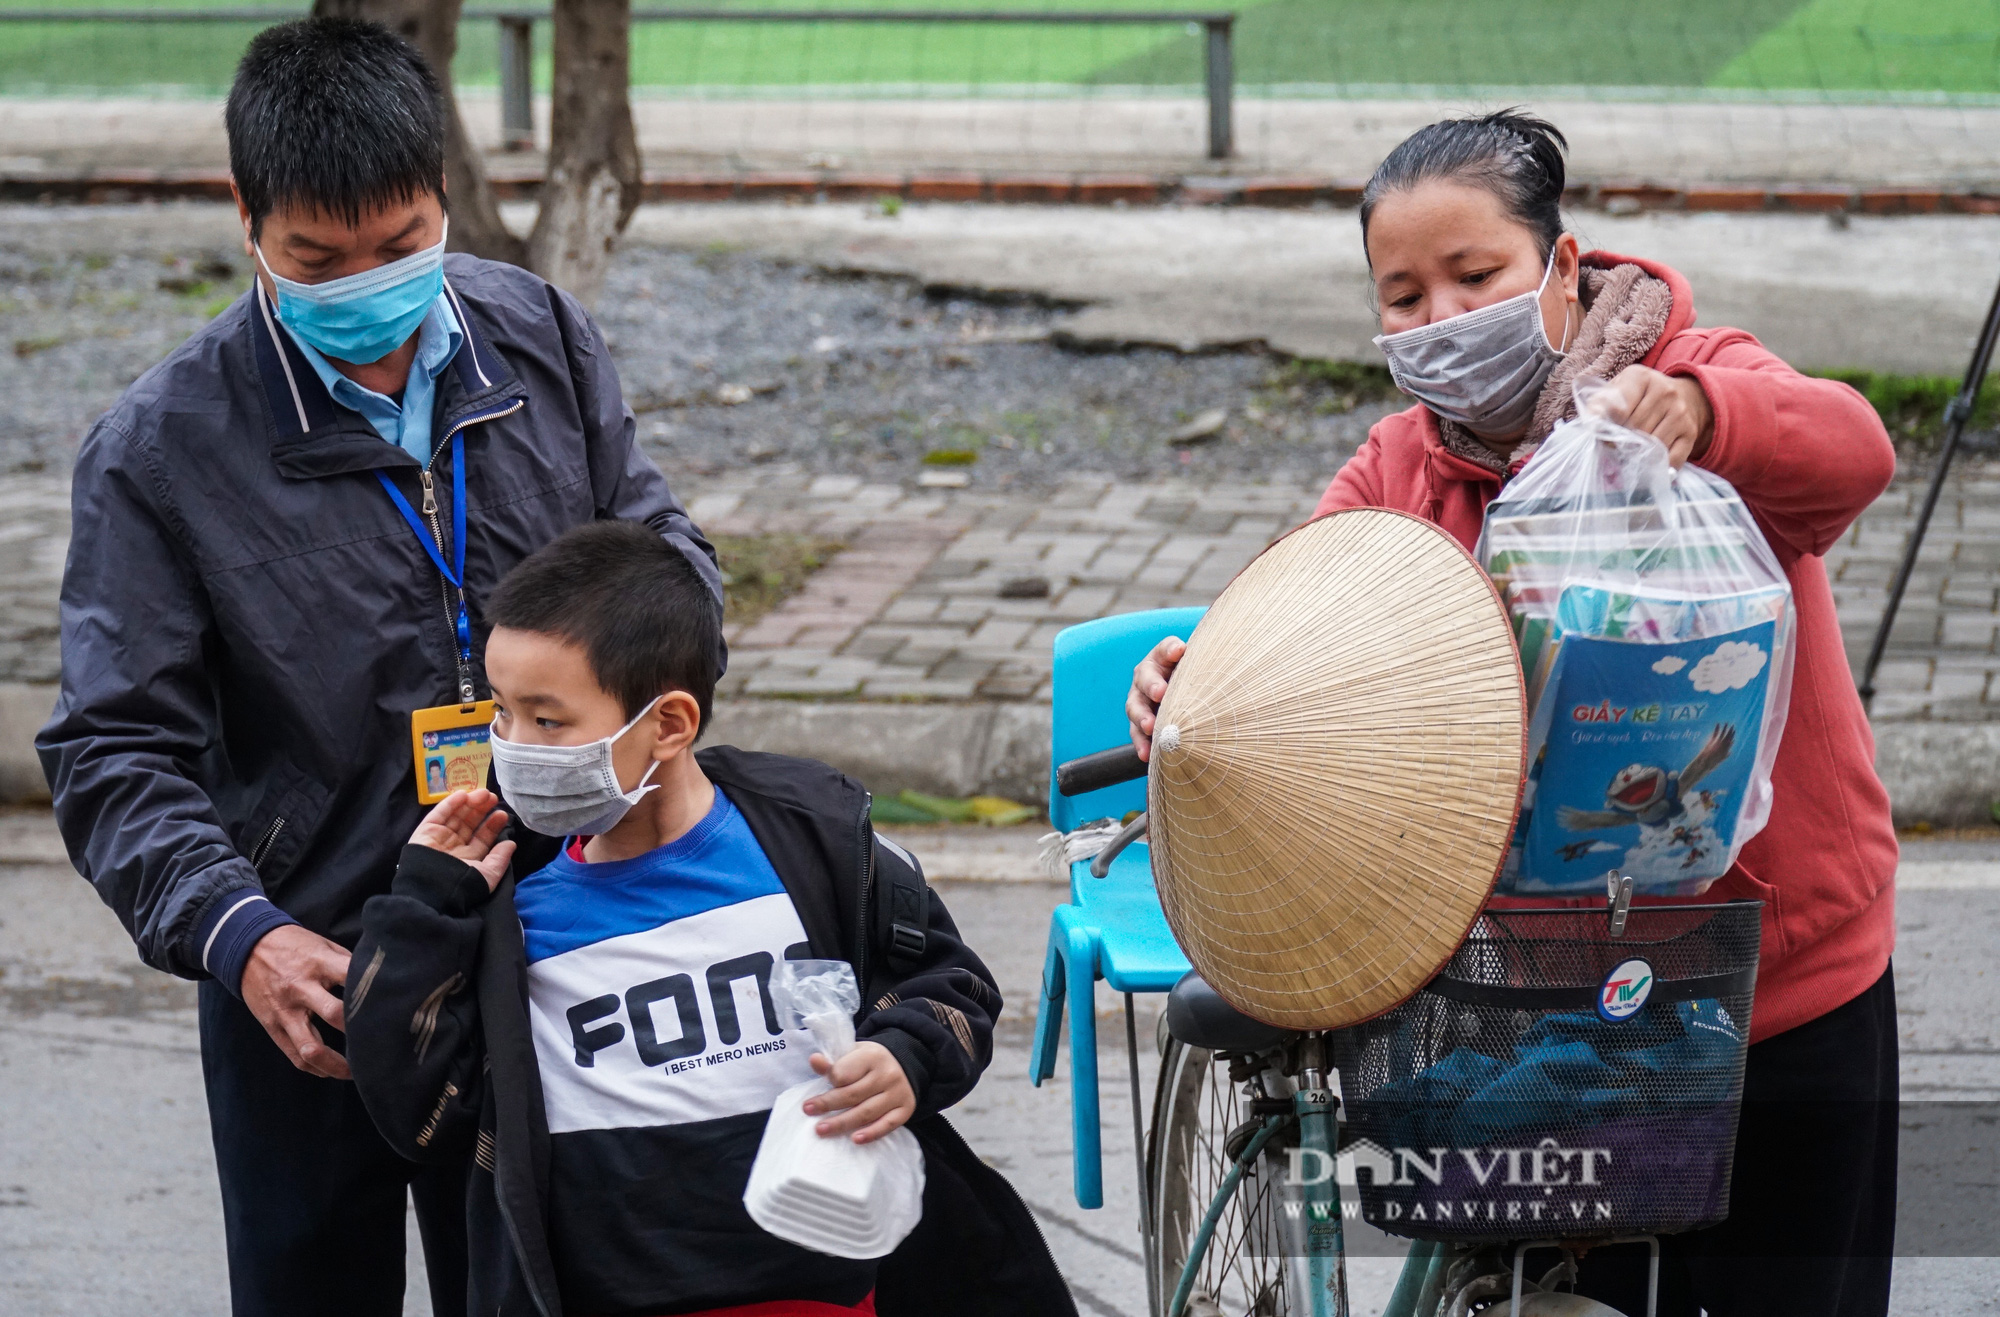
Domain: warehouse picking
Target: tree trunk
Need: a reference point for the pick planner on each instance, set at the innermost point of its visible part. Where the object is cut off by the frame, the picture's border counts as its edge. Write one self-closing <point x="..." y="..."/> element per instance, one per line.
<point x="592" y="184"/>
<point x="432" y="27"/>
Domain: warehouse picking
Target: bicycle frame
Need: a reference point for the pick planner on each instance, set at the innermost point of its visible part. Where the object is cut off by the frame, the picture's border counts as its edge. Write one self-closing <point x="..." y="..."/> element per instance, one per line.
<point x="1322" y="1249"/>
<point x="1324" y="1244"/>
<point x="1314" y="1106"/>
<point x="1420" y="1286"/>
<point x="1227" y="1190"/>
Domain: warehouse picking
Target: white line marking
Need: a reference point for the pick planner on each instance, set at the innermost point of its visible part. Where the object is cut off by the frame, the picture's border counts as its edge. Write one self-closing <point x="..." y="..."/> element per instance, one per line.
<point x="1948" y="875"/>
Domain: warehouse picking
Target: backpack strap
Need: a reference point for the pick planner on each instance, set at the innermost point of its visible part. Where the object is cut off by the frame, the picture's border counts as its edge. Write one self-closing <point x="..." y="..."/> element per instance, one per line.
<point x="903" y="928"/>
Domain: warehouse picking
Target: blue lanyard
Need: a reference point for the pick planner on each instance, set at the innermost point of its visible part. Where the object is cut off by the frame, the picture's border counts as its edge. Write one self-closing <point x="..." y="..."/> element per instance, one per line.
<point x="455" y="573"/>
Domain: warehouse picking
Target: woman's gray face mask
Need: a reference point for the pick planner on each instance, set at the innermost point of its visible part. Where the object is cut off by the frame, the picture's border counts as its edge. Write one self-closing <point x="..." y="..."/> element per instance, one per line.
<point x="1483" y="369"/>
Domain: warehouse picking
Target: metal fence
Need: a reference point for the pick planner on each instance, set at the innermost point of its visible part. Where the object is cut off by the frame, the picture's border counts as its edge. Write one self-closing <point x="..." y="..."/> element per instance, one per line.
<point x="516" y="41"/>
<point x="1701" y="93"/>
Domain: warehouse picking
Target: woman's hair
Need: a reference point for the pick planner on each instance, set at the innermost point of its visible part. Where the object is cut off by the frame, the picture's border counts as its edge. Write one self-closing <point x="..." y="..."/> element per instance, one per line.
<point x="1515" y="156"/>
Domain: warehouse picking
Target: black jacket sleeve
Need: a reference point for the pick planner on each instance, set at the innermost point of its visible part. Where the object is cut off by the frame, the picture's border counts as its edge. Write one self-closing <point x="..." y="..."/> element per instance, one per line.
<point x="137" y="710"/>
<point x="414" y="1036"/>
<point x="936" y="1017"/>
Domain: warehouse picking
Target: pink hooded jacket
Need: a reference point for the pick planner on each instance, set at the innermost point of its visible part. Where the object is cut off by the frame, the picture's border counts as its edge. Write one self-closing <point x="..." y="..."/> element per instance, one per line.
<point x="1808" y="455"/>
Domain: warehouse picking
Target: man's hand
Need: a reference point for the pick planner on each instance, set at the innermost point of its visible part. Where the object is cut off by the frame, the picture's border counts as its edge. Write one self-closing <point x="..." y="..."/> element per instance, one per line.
<point x="464" y="824"/>
<point x="1149" y="687"/>
<point x="869" y="1088"/>
<point x="1672" y="409"/>
<point x="286" y="982"/>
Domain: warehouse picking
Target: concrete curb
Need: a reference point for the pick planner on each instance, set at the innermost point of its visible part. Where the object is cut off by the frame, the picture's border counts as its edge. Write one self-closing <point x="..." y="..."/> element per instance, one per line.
<point x="23" y="710"/>
<point x="1946" y="774"/>
<point x="1943" y="773"/>
<point x="1615" y="196"/>
<point x="942" y="749"/>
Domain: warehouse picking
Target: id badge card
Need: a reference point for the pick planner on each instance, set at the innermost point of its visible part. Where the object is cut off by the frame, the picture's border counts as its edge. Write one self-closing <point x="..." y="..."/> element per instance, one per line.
<point x="451" y="745"/>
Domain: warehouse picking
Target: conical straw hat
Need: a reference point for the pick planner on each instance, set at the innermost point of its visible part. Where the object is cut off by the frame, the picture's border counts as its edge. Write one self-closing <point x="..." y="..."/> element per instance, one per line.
<point x="1336" y="770"/>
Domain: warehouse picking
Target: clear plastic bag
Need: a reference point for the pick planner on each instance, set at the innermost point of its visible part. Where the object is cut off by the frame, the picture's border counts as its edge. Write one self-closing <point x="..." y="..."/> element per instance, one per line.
<point x="828" y="1193"/>
<point x="1656" y="633"/>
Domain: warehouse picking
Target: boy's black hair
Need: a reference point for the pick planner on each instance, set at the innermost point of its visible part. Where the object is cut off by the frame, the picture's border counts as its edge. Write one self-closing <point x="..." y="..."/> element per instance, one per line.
<point x="1515" y="156"/>
<point x="642" y="615"/>
<point x="335" y="115"/>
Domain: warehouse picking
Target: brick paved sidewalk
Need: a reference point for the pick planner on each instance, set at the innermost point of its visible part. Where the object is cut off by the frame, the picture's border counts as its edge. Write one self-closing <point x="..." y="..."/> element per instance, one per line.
<point x="915" y="609"/>
<point x="935" y="598"/>
<point x="917" y="606"/>
<point x="1941" y="661"/>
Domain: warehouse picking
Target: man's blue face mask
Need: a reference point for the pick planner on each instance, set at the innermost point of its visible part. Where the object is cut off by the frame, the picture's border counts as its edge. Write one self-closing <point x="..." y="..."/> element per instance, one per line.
<point x="362" y="317"/>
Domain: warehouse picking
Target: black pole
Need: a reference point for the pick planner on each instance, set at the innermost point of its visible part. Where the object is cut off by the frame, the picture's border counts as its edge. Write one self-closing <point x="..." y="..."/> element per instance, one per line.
<point x="1219" y="76"/>
<point x="1956" y="413"/>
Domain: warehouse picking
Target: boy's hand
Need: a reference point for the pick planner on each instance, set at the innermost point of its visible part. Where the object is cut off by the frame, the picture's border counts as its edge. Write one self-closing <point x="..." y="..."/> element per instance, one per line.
<point x="464" y="824"/>
<point x="869" y="1090"/>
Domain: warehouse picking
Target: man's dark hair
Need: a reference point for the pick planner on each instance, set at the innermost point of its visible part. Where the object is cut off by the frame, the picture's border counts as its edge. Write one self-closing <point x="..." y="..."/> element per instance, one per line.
<point x="642" y="615"/>
<point x="334" y="115"/>
<point x="1515" y="156"/>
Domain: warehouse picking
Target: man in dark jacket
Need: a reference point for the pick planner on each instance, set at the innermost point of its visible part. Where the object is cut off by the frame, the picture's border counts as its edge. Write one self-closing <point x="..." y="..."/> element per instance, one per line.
<point x="282" y="536"/>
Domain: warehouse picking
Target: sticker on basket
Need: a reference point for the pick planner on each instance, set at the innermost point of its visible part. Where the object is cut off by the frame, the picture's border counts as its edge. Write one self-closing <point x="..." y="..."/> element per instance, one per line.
<point x="1625" y="990"/>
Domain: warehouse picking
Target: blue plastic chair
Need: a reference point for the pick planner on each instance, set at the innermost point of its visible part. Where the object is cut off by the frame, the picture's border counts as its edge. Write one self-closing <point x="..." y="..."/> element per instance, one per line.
<point x="1112" y="928"/>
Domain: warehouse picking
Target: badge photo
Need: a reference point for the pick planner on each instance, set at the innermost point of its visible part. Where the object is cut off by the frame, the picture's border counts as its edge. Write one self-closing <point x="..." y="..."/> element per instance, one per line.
<point x="451" y="748"/>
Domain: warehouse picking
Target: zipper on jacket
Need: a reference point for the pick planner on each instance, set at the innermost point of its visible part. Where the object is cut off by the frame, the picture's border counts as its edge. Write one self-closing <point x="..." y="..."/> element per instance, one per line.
<point x="265" y="842"/>
<point x="867" y="886"/>
<point x="466" y="694"/>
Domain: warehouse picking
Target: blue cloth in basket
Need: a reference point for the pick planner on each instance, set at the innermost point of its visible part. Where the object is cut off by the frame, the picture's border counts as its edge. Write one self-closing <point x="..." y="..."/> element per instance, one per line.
<point x="1567" y="1071"/>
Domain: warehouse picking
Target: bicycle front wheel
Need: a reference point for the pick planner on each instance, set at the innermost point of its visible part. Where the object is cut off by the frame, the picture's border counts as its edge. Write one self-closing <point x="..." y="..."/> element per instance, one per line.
<point x="1252" y="1267"/>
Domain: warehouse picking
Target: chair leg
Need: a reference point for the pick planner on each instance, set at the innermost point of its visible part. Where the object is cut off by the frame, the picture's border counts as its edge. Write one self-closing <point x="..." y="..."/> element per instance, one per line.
<point x="1080" y="956"/>
<point x="1049" y="1013"/>
<point x="1139" y="1154"/>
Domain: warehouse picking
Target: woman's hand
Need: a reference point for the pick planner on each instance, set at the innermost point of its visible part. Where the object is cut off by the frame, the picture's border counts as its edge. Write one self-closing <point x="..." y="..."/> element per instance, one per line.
<point x="869" y="1089"/>
<point x="465" y="824"/>
<point x="1149" y="687"/>
<point x="1671" y="408"/>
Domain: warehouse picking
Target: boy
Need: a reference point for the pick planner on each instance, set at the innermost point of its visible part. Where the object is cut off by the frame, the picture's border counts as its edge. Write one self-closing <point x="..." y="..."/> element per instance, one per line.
<point x="600" y="1033"/>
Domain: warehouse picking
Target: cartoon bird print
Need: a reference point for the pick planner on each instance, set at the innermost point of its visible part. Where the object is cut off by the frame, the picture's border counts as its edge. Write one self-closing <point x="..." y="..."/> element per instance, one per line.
<point x="1648" y="794"/>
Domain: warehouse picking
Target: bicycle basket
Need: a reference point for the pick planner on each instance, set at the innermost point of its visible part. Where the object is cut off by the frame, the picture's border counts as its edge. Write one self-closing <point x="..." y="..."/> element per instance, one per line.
<point x="1554" y="1081"/>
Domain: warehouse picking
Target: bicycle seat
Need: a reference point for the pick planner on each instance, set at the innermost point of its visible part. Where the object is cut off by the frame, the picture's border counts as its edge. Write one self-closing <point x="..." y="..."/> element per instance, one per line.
<point x="1198" y="1017"/>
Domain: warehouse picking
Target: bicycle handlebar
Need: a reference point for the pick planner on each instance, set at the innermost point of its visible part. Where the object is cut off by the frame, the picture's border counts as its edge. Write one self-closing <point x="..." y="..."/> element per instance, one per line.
<point x="1106" y="768"/>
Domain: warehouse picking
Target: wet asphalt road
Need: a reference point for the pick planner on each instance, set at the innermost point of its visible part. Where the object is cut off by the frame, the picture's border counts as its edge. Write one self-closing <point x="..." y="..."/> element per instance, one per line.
<point x="108" y="1204"/>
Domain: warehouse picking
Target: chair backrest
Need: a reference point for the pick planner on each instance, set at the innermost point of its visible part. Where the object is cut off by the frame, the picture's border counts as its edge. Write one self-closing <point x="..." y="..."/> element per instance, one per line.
<point x="1093" y="673"/>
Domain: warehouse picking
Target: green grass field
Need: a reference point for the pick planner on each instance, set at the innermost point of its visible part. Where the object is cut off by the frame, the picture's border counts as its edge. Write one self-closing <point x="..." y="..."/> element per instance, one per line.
<point x="1850" y="46"/>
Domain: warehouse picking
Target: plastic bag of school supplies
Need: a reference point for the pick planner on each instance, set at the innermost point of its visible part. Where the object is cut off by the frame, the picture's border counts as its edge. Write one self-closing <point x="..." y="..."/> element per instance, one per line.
<point x="829" y="1193"/>
<point x="1656" y="632"/>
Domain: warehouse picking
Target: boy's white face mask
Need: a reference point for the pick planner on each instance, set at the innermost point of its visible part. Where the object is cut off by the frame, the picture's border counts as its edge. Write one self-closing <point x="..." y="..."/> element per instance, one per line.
<point x="1484" y="369"/>
<point x="567" y="790"/>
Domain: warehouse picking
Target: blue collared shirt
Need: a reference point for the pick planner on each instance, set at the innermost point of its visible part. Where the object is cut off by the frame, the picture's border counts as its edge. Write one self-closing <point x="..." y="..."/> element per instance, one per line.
<point x="406" y="424"/>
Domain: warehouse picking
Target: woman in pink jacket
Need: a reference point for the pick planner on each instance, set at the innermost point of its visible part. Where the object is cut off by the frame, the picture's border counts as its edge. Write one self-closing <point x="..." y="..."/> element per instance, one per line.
<point x="1489" y="314"/>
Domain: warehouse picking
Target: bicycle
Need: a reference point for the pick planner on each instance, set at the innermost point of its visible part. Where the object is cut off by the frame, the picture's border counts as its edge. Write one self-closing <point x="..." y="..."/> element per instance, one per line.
<point x="1232" y="1231"/>
<point x="1232" y="1223"/>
